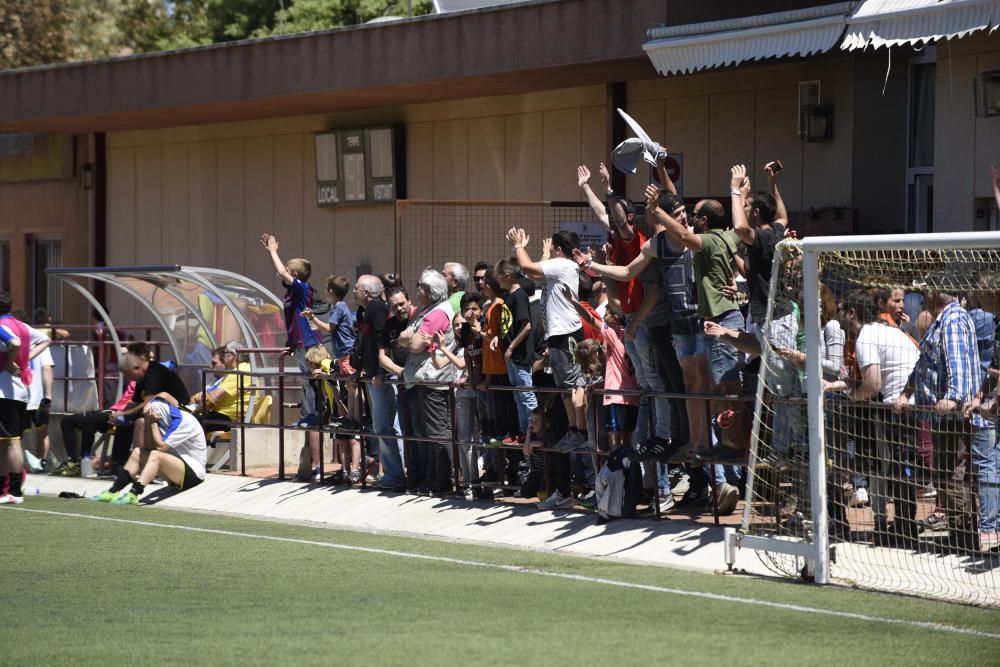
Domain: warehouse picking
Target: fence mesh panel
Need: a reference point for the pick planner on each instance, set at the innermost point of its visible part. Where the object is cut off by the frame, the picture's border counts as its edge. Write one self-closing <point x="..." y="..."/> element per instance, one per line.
<point x="912" y="490"/>
<point x="430" y="233"/>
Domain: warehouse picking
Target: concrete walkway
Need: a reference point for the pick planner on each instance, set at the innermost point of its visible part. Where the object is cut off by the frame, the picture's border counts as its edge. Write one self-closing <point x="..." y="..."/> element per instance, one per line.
<point x="679" y="544"/>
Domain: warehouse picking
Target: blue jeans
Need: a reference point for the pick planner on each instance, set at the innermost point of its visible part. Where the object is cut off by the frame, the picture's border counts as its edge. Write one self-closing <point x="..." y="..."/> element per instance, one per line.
<point x="308" y="406"/>
<point x="643" y="357"/>
<point x="986" y="465"/>
<point x="723" y="359"/>
<point x="385" y="421"/>
<point x="520" y="376"/>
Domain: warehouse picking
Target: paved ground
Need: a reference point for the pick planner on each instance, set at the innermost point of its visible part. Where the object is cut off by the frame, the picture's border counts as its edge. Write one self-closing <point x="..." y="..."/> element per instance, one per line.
<point x="679" y="543"/>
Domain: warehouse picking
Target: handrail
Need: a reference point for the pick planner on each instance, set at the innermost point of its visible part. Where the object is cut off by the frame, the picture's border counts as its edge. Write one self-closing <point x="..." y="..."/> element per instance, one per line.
<point x="406" y="438"/>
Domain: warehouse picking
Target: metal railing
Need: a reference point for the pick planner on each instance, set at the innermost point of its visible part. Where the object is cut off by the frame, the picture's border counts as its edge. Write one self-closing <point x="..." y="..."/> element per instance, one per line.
<point x="282" y="387"/>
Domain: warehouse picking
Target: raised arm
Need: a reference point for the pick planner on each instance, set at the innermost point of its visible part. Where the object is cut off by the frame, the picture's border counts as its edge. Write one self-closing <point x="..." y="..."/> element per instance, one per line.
<point x="519" y="240"/>
<point x="614" y="272"/>
<point x="738" y="174"/>
<point x="450" y="357"/>
<point x="270" y="244"/>
<point x="780" y="212"/>
<point x="675" y="230"/>
<point x="596" y="205"/>
<point x="661" y="171"/>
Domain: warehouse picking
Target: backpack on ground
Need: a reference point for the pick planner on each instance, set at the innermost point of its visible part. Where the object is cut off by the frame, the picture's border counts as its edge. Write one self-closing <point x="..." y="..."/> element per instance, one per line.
<point x="618" y="485"/>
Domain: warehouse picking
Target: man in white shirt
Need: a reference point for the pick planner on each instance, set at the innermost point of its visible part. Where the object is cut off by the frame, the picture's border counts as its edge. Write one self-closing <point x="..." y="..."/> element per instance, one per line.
<point x="885" y="356"/>
<point x="564" y="330"/>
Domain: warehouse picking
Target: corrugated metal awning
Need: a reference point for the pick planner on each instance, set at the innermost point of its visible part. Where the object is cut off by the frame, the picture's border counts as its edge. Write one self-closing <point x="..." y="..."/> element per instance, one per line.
<point x="689" y="48"/>
<point x="892" y="22"/>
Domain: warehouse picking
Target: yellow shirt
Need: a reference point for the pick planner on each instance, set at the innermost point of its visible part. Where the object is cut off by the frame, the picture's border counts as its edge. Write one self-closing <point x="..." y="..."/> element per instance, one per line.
<point x="230" y="384"/>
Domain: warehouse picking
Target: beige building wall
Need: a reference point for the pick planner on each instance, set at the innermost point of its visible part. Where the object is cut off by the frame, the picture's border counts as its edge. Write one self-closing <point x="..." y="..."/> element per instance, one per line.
<point x="203" y="195"/>
<point x="57" y="209"/>
<point x="749" y="116"/>
<point x="964" y="145"/>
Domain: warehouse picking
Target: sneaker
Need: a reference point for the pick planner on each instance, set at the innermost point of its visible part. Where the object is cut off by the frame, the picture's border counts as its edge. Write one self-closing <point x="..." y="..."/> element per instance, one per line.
<point x="104" y="497"/>
<point x="934" y="522"/>
<point x="929" y="492"/>
<point x="859" y="498"/>
<point x="339" y="478"/>
<point x="126" y="499"/>
<point x="7" y="499"/>
<point x="68" y="469"/>
<point x="588" y="500"/>
<point x="666" y="501"/>
<point x="386" y="484"/>
<point x="315" y="475"/>
<point x="354" y="477"/>
<point x="721" y="454"/>
<point x="470" y="493"/>
<point x="693" y="496"/>
<point x="989" y="541"/>
<point x="657" y="448"/>
<point x="555" y="501"/>
<point x="513" y="440"/>
<point x="729" y="495"/>
<point x="681" y="485"/>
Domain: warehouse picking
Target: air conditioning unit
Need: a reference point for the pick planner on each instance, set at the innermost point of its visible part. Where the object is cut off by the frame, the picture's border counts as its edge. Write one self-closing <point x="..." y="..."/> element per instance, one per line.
<point x="988" y="94"/>
<point x="815" y="120"/>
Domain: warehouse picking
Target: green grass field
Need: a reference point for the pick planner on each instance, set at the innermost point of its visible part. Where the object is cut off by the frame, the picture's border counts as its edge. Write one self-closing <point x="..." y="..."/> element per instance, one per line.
<point x="93" y="592"/>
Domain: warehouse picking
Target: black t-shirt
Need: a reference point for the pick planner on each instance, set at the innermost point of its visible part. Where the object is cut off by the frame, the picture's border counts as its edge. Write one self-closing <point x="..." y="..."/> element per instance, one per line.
<point x="158" y="379"/>
<point x="760" y="258"/>
<point x="371" y="326"/>
<point x="520" y="310"/>
<point x="390" y="340"/>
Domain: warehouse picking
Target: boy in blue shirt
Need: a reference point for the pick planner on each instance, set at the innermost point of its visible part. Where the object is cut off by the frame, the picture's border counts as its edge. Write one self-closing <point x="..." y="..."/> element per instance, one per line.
<point x="298" y="298"/>
<point x="341" y="328"/>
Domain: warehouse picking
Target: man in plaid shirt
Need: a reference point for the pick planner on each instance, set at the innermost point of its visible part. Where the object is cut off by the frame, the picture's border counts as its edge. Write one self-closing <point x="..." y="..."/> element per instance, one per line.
<point x="947" y="377"/>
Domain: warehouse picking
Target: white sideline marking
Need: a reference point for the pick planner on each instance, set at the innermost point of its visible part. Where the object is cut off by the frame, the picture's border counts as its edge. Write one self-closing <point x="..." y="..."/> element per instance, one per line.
<point x="543" y="573"/>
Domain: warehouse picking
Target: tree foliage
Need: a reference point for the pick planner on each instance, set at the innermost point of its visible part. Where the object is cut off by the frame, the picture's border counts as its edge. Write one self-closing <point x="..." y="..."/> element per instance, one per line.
<point x="39" y="32"/>
<point x="32" y="33"/>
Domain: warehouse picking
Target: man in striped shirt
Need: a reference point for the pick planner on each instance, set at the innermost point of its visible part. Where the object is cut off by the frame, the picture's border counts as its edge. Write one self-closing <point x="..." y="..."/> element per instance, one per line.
<point x="946" y="377"/>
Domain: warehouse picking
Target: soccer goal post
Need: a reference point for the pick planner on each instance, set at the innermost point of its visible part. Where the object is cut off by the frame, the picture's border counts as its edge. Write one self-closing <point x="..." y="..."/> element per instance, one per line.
<point x="870" y="463"/>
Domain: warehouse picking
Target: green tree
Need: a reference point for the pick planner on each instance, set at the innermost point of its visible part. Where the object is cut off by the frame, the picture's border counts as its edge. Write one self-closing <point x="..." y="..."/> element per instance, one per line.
<point x="162" y="25"/>
<point x="312" y="15"/>
<point x="32" y="33"/>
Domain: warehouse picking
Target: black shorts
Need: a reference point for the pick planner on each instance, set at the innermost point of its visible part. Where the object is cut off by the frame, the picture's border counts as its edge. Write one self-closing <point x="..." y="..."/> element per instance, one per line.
<point x="562" y="351"/>
<point x="190" y="480"/>
<point x="13" y="419"/>
<point x="38" y="418"/>
<point x="620" y="417"/>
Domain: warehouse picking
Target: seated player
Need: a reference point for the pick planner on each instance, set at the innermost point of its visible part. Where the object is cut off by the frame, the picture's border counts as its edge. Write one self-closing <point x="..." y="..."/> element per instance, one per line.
<point x="174" y="449"/>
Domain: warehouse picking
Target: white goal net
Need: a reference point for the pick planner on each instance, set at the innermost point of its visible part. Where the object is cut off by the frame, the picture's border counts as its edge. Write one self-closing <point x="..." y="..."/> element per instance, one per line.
<point x="874" y="460"/>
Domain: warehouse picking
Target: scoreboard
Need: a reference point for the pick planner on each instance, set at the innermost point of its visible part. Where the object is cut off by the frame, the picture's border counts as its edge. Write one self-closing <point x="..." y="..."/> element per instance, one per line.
<point x="359" y="166"/>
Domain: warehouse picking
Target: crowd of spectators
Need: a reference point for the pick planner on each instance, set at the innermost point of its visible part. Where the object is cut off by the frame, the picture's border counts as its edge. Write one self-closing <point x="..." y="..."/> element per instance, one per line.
<point x="558" y="355"/>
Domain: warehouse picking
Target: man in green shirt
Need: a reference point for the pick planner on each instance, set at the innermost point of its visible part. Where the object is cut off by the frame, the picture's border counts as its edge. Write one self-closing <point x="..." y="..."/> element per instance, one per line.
<point x="714" y="246"/>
